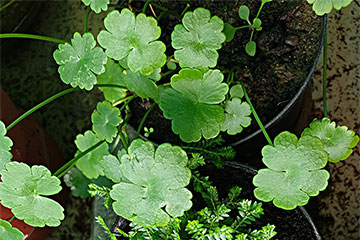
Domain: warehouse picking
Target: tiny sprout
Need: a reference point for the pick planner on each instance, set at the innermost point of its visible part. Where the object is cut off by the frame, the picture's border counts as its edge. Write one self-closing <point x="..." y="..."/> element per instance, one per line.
<point x="148" y="131"/>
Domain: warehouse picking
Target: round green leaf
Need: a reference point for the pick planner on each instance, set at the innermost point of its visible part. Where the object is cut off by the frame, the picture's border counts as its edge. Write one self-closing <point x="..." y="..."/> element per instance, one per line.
<point x="105" y="119"/>
<point x="5" y="147"/>
<point x="250" y="48"/>
<point x="244" y="12"/>
<point x="80" y="61"/>
<point x="237" y="116"/>
<point x="7" y="232"/>
<point x="197" y="39"/>
<point x="133" y="38"/>
<point x="79" y="184"/>
<point x="97" y="5"/>
<point x="295" y="171"/>
<point x="156" y="187"/>
<point x="142" y="85"/>
<point x="21" y="190"/>
<point x="338" y="141"/>
<point x="192" y="101"/>
<point x="257" y="23"/>
<point x="236" y="91"/>
<point x="89" y="164"/>
<point x="322" y="7"/>
<point x="113" y="75"/>
<point x="171" y="65"/>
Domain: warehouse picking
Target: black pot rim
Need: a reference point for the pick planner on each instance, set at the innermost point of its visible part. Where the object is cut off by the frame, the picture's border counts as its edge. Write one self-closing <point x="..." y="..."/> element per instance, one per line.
<point x="251" y="170"/>
<point x="297" y="95"/>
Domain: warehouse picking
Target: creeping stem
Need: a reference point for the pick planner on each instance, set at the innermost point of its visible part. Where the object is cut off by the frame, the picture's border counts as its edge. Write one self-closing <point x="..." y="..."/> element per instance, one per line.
<point x="67" y="166"/>
<point x="255" y="115"/>
<point x="325" y="73"/>
<point x="50" y="99"/>
<point x="144" y="119"/>
<point x="86" y="20"/>
<point x="31" y="36"/>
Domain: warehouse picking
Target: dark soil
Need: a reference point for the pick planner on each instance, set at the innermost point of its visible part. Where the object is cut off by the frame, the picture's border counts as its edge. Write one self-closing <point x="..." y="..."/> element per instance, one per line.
<point x="286" y="50"/>
<point x="289" y="225"/>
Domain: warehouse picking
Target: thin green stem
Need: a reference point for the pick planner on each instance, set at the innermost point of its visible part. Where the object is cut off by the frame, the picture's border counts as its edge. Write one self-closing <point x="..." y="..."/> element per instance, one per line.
<point x="11" y="219"/>
<point x="123" y="140"/>
<point x="6" y="5"/>
<point x="167" y="73"/>
<point x="61" y="171"/>
<point x="86" y="20"/>
<point x="144" y="119"/>
<point x="128" y="100"/>
<point x="242" y="27"/>
<point x="31" y="36"/>
<point x="252" y="34"/>
<point x="255" y="115"/>
<point x="325" y="73"/>
<point x="259" y="11"/>
<point x="145" y="6"/>
<point x="50" y="99"/>
<point x="197" y="149"/>
<point x="110" y="85"/>
<point x="185" y="9"/>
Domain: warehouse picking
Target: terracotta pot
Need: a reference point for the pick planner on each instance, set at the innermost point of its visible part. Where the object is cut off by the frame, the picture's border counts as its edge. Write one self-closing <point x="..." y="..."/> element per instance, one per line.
<point x="33" y="146"/>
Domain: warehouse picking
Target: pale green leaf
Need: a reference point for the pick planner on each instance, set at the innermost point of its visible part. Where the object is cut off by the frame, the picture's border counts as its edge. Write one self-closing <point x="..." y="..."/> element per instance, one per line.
<point x="5" y="147"/>
<point x="89" y="164"/>
<point x="134" y="38"/>
<point x="113" y="75"/>
<point x="244" y="12"/>
<point x="7" y="232"/>
<point x="197" y="39"/>
<point x="171" y="65"/>
<point x="156" y="188"/>
<point x="295" y="171"/>
<point x="155" y="75"/>
<point x="237" y="116"/>
<point x="97" y="5"/>
<point x="322" y="7"/>
<point x="338" y="141"/>
<point x="80" y="61"/>
<point x="250" y="48"/>
<point x="236" y="91"/>
<point x="79" y="184"/>
<point x="142" y="85"/>
<point x="192" y="101"/>
<point x="257" y="23"/>
<point x="22" y="189"/>
<point x="111" y="167"/>
<point x="105" y="119"/>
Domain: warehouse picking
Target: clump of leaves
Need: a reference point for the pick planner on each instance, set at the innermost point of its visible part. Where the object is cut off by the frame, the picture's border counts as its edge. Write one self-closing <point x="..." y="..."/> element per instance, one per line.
<point x="8" y="232"/>
<point x="191" y="104"/>
<point x="255" y="24"/>
<point x="80" y="61"/>
<point x="136" y="41"/>
<point x="295" y="171"/>
<point x="338" y="141"/>
<point x="23" y="189"/>
<point x="155" y="184"/>
<point x="197" y="39"/>
<point x="5" y="147"/>
<point x="322" y="7"/>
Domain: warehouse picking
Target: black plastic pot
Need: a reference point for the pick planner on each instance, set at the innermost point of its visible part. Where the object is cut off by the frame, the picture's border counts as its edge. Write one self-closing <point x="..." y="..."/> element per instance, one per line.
<point x="289" y="225"/>
<point x="286" y="119"/>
